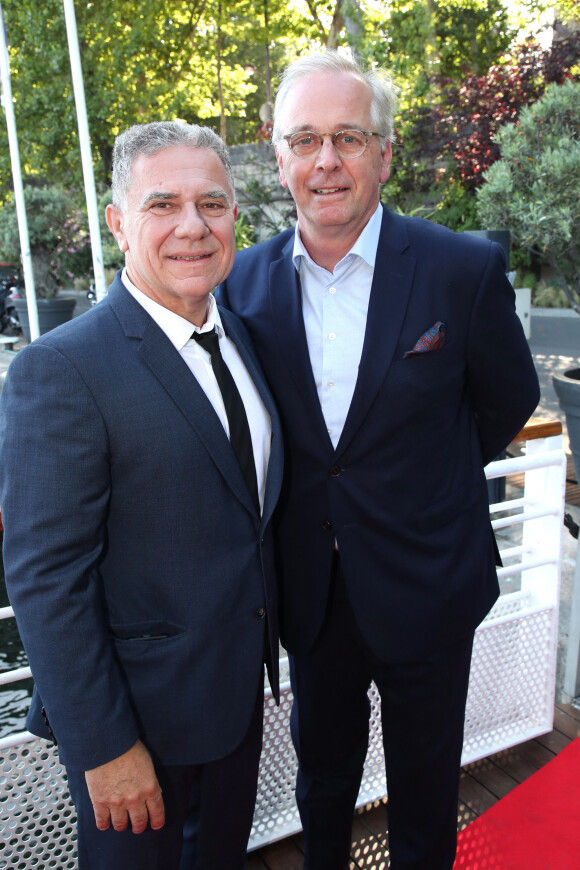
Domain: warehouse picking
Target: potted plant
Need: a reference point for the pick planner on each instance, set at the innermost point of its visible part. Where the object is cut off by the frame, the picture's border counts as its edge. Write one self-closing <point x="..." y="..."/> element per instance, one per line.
<point x="59" y="250"/>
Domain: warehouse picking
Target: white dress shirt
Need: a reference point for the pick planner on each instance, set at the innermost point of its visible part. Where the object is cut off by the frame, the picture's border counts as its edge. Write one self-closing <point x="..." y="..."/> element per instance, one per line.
<point x="334" y="307"/>
<point x="179" y="331"/>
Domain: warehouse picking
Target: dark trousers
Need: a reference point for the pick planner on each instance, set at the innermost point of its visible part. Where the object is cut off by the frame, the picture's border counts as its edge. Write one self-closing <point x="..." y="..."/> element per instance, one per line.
<point x="422" y="712"/>
<point x="209" y="810"/>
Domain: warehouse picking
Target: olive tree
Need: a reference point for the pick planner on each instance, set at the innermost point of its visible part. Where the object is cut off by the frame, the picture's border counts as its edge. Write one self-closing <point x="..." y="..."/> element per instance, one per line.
<point x="532" y="190"/>
<point x="59" y="244"/>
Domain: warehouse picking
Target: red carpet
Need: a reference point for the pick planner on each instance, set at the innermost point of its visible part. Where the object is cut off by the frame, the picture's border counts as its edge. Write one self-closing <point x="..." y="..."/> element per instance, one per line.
<point x="534" y="827"/>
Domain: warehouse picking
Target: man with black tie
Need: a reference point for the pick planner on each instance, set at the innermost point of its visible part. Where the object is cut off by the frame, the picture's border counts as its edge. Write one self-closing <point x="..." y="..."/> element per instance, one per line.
<point x="138" y="552"/>
<point x="400" y="369"/>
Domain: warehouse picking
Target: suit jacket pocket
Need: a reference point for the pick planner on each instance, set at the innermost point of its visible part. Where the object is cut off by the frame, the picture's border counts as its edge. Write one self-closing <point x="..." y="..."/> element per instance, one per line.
<point x="135" y="632"/>
<point x="431" y="364"/>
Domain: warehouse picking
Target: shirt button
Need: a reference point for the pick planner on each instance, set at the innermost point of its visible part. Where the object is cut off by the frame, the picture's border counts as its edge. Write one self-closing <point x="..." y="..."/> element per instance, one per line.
<point x="331" y="384"/>
<point x="335" y="471"/>
<point x="332" y="290"/>
<point x="260" y="613"/>
<point x="332" y="336"/>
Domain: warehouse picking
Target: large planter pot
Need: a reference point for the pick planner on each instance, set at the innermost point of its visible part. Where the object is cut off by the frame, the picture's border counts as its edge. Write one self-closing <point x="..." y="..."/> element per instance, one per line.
<point x="502" y="237"/>
<point x="567" y="387"/>
<point x="51" y="313"/>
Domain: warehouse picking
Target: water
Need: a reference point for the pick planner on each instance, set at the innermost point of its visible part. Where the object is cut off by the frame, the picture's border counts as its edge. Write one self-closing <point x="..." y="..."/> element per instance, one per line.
<point x="15" y="697"/>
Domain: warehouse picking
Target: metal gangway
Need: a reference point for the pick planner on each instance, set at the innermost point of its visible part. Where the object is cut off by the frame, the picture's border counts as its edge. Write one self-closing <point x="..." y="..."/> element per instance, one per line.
<point x="511" y="690"/>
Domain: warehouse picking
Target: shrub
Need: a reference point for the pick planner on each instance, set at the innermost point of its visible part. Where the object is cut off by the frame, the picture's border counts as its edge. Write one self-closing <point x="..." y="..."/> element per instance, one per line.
<point x="532" y="191"/>
<point x="59" y="244"/>
<point x="546" y="295"/>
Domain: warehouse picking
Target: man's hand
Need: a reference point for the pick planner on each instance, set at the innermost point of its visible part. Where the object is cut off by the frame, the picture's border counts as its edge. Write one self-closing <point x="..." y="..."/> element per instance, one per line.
<point x="126" y="791"/>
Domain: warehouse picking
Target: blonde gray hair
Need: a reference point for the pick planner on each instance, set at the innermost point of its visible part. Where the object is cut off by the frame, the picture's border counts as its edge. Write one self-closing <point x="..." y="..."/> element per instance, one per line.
<point x="383" y="91"/>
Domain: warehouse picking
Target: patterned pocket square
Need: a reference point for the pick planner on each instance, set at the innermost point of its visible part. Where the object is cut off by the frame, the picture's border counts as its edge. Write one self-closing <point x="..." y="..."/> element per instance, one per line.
<point x="433" y="339"/>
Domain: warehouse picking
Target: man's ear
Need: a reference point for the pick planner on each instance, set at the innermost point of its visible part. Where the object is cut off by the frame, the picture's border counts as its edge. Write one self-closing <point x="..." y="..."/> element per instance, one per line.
<point x="114" y="219"/>
<point x="283" y="181"/>
<point x="386" y="158"/>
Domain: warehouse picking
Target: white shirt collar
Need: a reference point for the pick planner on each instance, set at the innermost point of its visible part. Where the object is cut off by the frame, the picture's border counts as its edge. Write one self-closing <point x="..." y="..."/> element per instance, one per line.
<point x="365" y="246"/>
<point x="177" y="329"/>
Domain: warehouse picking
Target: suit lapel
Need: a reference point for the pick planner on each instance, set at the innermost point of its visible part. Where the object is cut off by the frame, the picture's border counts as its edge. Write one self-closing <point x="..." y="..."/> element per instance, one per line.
<point x="165" y="363"/>
<point x="390" y="292"/>
<point x="286" y="303"/>
<point x="235" y="332"/>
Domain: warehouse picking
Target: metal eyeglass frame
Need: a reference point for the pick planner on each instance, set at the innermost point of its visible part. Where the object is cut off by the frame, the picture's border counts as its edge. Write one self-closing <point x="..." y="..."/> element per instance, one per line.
<point x="366" y="133"/>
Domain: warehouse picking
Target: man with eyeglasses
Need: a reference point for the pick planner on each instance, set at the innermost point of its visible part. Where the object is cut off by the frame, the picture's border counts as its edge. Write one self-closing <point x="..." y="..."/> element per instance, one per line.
<point x="400" y="369"/>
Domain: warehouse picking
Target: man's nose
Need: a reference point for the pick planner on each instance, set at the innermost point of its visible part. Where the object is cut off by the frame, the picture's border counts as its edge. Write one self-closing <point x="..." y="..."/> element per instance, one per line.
<point x="328" y="157"/>
<point x="191" y="222"/>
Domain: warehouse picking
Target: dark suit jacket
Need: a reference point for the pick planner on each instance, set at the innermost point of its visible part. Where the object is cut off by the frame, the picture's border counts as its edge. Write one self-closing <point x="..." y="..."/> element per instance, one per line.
<point x="404" y="493"/>
<point x="136" y="563"/>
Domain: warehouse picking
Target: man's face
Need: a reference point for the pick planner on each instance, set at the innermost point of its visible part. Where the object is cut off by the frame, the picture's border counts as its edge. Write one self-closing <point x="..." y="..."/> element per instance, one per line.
<point x="333" y="195"/>
<point x="177" y="230"/>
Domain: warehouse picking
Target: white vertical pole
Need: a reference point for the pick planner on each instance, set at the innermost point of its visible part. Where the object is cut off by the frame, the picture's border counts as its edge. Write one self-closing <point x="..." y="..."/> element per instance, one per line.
<point x="572" y="672"/>
<point x="85" y="145"/>
<point x="17" y="181"/>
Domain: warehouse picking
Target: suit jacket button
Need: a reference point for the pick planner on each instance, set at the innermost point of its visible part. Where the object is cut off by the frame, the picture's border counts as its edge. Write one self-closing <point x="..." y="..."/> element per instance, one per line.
<point x="335" y="471"/>
<point x="260" y="613"/>
<point x="327" y="525"/>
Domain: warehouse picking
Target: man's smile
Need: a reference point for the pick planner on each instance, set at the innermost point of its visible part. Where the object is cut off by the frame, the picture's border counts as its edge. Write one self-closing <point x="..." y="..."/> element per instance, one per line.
<point x="190" y="257"/>
<point x="324" y="191"/>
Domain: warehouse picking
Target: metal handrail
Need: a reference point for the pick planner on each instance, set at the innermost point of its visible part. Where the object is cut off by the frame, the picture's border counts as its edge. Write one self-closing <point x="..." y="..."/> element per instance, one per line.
<point x="531" y="510"/>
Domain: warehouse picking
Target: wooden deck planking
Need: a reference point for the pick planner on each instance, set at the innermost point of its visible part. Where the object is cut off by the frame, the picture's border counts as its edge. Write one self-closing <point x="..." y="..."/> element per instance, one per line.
<point x="482" y="784"/>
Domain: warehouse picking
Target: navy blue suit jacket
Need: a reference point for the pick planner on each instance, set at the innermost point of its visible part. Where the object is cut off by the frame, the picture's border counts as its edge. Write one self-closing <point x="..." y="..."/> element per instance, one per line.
<point x="136" y="563"/>
<point x="404" y="492"/>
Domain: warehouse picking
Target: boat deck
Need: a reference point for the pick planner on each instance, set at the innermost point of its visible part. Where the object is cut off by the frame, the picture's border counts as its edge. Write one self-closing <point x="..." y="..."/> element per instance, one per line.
<point x="482" y="784"/>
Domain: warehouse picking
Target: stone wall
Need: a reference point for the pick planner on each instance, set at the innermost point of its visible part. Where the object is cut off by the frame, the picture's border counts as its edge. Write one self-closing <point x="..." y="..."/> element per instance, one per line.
<point x="261" y="197"/>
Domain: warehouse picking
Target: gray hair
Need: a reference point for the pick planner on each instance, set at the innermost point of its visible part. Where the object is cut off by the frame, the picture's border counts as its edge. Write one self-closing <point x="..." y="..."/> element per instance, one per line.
<point x="383" y="90"/>
<point x="153" y="137"/>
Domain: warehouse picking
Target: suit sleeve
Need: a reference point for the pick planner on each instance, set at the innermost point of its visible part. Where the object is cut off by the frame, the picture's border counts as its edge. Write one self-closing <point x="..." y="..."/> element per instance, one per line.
<point x="502" y="381"/>
<point x="54" y="491"/>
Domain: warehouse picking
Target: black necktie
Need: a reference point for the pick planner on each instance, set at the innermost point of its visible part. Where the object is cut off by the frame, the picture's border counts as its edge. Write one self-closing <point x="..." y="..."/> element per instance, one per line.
<point x="240" y="437"/>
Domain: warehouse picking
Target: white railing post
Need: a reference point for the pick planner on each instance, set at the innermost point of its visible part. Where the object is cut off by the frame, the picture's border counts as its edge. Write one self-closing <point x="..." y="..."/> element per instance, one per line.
<point x="572" y="672"/>
<point x="546" y="486"/>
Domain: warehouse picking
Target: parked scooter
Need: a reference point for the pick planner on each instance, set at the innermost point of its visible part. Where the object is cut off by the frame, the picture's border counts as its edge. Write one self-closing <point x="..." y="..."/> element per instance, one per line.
<point x="11" y="286"/>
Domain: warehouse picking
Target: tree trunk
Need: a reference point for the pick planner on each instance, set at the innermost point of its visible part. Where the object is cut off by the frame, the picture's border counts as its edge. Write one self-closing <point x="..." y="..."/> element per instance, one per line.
<point x="267" y="53"/>
<point x="219" y="75"/>
<point x="44" y="282"/>
<point x="335" y="27"/>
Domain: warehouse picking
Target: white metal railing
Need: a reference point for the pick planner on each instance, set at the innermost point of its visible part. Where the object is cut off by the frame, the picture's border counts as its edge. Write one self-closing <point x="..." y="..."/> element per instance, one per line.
<point x="511" y="691"/>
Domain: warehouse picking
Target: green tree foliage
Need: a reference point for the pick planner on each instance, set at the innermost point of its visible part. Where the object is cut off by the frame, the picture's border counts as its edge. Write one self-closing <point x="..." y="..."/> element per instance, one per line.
<point x="143" y="60"/>
<point x="426" y="44"/>
<point x="445" y="145"/>
<point x="216" y="62"/>
<point x="418" y="38"/>
<point x="532" y="191"/>
<point x="470" y="114"/>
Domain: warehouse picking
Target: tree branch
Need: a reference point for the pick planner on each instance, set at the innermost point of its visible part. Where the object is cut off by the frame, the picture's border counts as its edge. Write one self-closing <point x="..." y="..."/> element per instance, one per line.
<point x="564" y="283"/>
<point x="316" y="19"/>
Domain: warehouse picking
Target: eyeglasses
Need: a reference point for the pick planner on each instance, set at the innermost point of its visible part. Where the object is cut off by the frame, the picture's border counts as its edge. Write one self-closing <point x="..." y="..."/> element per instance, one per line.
<point x="348" y="143"/>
